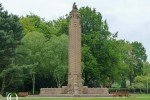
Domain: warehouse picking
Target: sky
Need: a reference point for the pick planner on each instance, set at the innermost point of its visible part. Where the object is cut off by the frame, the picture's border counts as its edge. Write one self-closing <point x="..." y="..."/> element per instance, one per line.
<point x="131" y="18"/>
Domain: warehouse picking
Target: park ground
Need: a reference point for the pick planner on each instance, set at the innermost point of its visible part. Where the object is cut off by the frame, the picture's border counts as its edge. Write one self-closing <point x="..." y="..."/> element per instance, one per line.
<point x="132" y="97"/>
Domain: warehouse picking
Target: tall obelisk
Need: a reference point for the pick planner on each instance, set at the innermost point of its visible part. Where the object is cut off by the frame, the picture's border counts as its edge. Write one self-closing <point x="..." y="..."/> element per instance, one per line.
<point x="74" y="71"/>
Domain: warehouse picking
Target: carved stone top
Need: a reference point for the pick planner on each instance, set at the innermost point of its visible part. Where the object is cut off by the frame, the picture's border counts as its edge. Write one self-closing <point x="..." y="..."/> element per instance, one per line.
<point x="74" y="13"/>
<point x="74" y="6"/>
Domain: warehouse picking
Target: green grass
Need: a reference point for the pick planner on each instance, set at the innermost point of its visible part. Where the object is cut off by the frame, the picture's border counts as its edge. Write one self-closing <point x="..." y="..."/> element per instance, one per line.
<point x="141" y="95"/>
<point x="132" y="97"/>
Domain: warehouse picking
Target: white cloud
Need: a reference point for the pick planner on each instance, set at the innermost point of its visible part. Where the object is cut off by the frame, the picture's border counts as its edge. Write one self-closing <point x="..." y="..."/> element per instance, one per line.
<point x="129" y="17"/>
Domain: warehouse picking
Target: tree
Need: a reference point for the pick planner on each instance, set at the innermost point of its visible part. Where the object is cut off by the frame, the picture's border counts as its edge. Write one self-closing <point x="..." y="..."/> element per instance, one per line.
<point x="140" y="57"/>
<point x="135" y="58"/>
<point x="33" y="22"/>
<point x="125" y="62"/>
<point x="90" y="70"/>
<point x="31" y="71"/>
<point x="30" y="50"/>
<point x="59" y="26"/>
<point x="146" y="68"/>
<point x="56" y="49"/>
<point x="146" y="72"/>
<point x="50" y="56"/>
<point x="29" y="54"/>
<point x="11" y="78"/>
<point x="10" y="36"/>
<point x="30" y="23"/>
<point x="140" y="82"/>
<point x="101" y="45"/>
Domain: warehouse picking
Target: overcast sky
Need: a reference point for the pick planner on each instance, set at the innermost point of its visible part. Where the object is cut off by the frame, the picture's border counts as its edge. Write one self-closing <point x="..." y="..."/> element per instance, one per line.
<point x="131" y="18"/>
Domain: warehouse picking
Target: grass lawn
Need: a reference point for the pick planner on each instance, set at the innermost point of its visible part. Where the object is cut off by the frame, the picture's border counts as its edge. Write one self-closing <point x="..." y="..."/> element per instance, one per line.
<point x="132" y="97"/>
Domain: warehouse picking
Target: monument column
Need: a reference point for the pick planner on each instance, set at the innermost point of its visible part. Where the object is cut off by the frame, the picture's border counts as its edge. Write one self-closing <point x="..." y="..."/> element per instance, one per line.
<point x="74" y="71"/>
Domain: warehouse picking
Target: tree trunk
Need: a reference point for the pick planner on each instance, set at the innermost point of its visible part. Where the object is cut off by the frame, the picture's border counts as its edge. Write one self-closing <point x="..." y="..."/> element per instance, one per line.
<point x="33" y="83"/>
<point x="123" y="81"/>
<point x="131" y="78"/>
<point x="3" y="86"/>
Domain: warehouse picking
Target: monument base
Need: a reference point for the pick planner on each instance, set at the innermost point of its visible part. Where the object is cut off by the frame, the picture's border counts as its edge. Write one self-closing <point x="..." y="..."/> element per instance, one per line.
<point x="62" y="92"/>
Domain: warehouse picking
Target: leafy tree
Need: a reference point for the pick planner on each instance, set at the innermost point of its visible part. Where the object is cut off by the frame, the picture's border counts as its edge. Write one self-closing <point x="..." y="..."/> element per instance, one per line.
<point x="132" y="60"/>
<point x="30" y="50"/>
<point x="33" y="23"/>
<point x="140" y="82"/>
<point x="56" y="50"/>
<point x="11" y="78"/>
<point x="140" y="57"/>
<point x="100" y="44"/>
<point x="59" y="26"/>
<point x="146" y="72"/>
<point x="29" y="54"/>
<point x="90" y="69"/>
<point x="146" y="68"/>
<point x="30" y="23"/>
<point x="50" y="56"/>
<point x="135" y="56"/>
<point x="30" y="73"/>
<point x="125" y="61"/>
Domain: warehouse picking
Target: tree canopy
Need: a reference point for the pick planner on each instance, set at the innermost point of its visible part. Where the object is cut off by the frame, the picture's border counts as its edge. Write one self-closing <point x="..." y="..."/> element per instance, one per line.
<point x="34" y="53"/>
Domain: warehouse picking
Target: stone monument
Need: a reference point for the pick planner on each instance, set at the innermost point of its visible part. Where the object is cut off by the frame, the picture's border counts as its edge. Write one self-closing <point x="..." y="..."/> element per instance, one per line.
<point x="74" y="68"/>
<point x="74" y="86"/>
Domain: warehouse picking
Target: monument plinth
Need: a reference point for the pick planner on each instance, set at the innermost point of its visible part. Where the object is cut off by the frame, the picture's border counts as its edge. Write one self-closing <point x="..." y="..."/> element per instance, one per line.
<point x="74" y="86"/>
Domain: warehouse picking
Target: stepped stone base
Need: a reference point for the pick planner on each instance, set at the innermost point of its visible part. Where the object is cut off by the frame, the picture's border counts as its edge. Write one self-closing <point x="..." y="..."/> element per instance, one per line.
<point x="71" y="95"/>
<point x="62" y="92"/>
